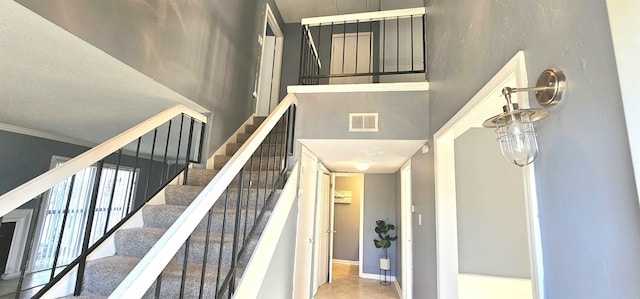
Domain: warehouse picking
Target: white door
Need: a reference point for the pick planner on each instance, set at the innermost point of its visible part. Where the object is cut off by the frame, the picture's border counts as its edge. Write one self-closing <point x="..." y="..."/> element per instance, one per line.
<point x="343" y="57"/>
<point x="323" y="230"/>
<point x="306" y="209"/>
<point x="267" y="84"/>
<point x="266" y="76"/>
<point x="406" y="231"/>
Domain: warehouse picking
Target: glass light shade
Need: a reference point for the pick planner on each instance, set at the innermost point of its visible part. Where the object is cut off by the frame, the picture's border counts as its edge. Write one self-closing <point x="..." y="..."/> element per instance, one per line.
<point x="517" y="140"/>
<point x="362" y="165"/>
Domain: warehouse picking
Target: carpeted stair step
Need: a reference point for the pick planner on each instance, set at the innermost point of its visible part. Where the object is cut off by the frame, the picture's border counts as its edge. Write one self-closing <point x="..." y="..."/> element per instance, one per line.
<point x="163" y="216"/>
<point x="248" y="129"/>
<point x="266" y="164"/>
<point x="266" y="150"/>
<point x="277" y="138"/>
<point x="104" y="275"/>
<point x="184" y="195"/>
<point x="200" y="176"/>
<point x="136" y="242"/>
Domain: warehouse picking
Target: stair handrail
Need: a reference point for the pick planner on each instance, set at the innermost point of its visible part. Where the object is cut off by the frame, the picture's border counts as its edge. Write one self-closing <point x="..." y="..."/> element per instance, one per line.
<point x="144" y="274"/>
<point x="29" y="190"/>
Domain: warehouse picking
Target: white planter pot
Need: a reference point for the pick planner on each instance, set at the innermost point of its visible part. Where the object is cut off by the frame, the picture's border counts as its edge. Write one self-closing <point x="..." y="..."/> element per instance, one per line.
<point x="385" y="264"/>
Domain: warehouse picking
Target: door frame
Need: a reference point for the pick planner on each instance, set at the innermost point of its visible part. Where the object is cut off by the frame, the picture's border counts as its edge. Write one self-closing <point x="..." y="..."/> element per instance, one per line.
<point x="303" y="278"/>
<point x="272" y="22"/>
<point x="623" y="16"/>
<point x="319" y="215"/>
<point x="482" y="106"/>
<point x="361" y="222"/>
<point x="406" y="230"/>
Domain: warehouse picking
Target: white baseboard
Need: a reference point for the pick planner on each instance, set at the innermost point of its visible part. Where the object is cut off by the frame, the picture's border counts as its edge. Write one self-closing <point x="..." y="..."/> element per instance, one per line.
<point x="222" y="150"/>
<point x="346" y="262"/>
<point x="398" y="288"/>
<point x="375" y="276"/>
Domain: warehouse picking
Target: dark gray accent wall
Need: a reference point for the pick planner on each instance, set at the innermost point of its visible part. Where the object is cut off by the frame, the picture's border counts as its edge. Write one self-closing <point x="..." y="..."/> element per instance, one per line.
<point x="401" y="115"/>
<point x="588" y="207"/>
<point x="347" y="220"/>
<point x="491" y="210"/>
<point x="206" y="50"/>
<point x="278" y="281"/>
<point x="379" y="204"/>
<point x="17" y="168"/>
<point x="25" y="157"/>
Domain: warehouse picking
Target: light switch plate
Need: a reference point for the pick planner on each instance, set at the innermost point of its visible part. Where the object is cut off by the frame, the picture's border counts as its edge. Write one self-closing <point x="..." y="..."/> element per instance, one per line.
<point x="420" y="219"/>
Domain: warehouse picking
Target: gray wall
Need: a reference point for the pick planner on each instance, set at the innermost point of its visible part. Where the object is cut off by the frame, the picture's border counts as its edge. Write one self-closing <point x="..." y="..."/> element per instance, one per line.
<point x="290" y="57"/>
<point x="491" y="212"/>
<point x="589" y="214"/>
<point x="347" y="220"/>
<point x="206" y="50"/>
<point x="278" y="282"/>
<point x="379" y="204"/>
<point x="401" y="115"/>
<point x="424" y="236"/>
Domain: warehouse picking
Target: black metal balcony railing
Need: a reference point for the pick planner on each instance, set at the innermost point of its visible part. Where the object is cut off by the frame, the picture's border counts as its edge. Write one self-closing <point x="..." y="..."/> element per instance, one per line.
<point x="363" y="48"/>
<point x="81" y="212"/>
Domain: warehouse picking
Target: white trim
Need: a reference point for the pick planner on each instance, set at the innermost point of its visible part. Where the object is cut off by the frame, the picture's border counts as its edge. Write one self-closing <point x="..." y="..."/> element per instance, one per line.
<point x="366" y="16"/>
<point x="153" y="263"/>
<point x="377" y="277"/>
<point x="400" y="86"/>
<point x="29" y="190"/>
<point x="22" y="218"/>
<point x="256" y="269"/>
<point x="482" y="106"/>
<point x="304" y="271"/>
<point x="271" y="21"/>
<point x="406" y="226"/>
<point x="623" y="21"/>
<point x="45" y="135"/>
<point x="346" y="262"/>
<point x="398" y="288"/>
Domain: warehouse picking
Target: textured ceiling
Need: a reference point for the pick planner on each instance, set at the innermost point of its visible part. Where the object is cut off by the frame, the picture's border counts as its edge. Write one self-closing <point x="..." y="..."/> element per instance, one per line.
<point x="384" y="156"/>
<point x="55" y="83"/>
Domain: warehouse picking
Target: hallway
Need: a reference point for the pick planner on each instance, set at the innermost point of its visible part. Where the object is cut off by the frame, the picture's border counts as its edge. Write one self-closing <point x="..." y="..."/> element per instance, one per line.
<point x="347" y="284"/>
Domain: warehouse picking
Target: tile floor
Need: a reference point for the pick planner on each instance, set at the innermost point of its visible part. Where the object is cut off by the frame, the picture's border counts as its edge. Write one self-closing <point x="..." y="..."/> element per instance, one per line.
<point x="347" y="284"/>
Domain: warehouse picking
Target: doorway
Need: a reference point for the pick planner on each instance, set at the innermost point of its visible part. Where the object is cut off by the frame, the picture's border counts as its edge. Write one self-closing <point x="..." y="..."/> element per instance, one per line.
<point x="453" y="218"/>
<point x="348" y="212"/>
<point x="267" y="89"/>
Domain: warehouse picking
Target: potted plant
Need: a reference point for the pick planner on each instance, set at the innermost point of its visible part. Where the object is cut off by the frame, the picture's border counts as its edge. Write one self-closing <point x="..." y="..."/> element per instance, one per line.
<point x="383" y="229"/>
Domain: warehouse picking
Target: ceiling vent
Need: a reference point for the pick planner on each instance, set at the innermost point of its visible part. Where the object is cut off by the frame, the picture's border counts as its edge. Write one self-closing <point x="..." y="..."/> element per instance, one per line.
<point x="363" y="122"/>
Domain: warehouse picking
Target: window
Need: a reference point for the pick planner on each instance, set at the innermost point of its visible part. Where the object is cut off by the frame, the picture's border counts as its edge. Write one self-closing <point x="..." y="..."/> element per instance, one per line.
<point x="72" y="235"/>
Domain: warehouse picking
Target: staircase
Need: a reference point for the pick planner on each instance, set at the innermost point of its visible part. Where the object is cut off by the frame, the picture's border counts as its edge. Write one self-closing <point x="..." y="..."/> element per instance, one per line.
<point x="102" y="276"/>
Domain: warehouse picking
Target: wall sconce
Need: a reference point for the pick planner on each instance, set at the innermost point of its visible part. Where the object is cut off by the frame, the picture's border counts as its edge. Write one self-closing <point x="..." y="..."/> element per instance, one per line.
<point x="515" y="127"/>
<point x="362" y="165"/>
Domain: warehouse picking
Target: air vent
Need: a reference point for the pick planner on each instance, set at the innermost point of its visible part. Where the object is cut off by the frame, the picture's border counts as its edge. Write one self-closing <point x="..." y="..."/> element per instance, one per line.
<point x="363" y="122"/>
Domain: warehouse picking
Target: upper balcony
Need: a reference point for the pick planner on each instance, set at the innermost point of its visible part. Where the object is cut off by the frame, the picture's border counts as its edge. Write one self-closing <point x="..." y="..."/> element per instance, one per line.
<point x="373" y="47"/>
